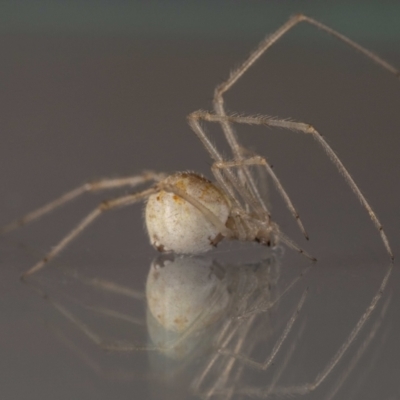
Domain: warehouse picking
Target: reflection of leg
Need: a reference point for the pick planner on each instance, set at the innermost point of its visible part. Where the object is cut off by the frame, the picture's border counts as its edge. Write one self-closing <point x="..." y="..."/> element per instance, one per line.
<point x="277" y="346"/>
<point x="89" y="332"/>
<point x="227" y="365"/>
<point x="235" y="334"/>
<point x="105" y="285"/>
<point x="225" y="335"/>
<point x="286" y="360"/>
<point x="361" y="322"/>
<point x="102" y="184"/>
<point x="117" y="374"/>
<point x="104" y="206"/>
<point x="123" y="346"/>
<point x="265" y="392"/>
<point x="242" y="337"/>
<point x="264" y="307"/>
<point x="361" y="350"/>
<point x="309" y="387"/>
<point x="106" y="312"/>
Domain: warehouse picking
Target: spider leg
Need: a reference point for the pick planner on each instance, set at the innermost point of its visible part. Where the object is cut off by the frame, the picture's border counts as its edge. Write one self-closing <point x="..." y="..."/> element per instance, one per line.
<point x="361" y="350"/>
<point x="229" y="182"/>
<point x="225" y="384"/>
<point x="102" y="184"/>
<point x="350" y="339"/>
<point x="308" y="387"/>
<point x="239" y="342"/>
<point x="263" y="308"/>
<point x="124" y="346"/>
<point x="107" y="312"/>
<point x="234" y="339"/>
<point x="263" y="366"/>
<point x="225" y="336"/>
<point x="265" y="44"/>
<point x="260" y="177"/>
<point x="105" y="285"/>
<point x="257" y="160"/>
<point x="308" y="129"/>
<point x="233" y="182"/>
<point x="305" y="388"/>
<point x="219" y="106"/>
<point x="91" y="334"/>
<point x="290" y="243"/>
<point x="104" y="206"/>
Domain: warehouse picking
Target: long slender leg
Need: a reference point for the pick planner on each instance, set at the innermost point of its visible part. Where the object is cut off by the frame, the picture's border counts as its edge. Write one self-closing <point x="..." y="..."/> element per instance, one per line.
<point x="106" y="285"/>
<point x="229" y="365"/>
<point x="257" y="160"/>
<point x="97" y="368"/>
<point x="233" y="181"/>
<point x="225" y="335"/>
<point x="229" y="182"/>
<point x="241" y="226"/>
<point x="320" y="378"/>
<point x="94" y="337"/>
<point x="308" y="129"/>
<point x="219" y="107"/>
<point x="278" y="344"/>
<point x="263" y="308"/>
<point x="287" y="359"/>
<point x="260" y="178"/>
<point x="308" y="387"/>
<point x="194" y="119"/>
<point x="102" y="184"/>
<point x="350" y="339"/>
<point x="106" y="312"/>
<point x="265" y="44"/>
<point x="361" y="350"/>
<point x="104" y="206"/>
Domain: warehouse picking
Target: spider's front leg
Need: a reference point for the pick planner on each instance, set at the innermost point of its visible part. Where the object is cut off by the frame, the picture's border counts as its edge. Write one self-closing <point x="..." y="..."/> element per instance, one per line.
<point x="85" y="222"/>
<point x="258" y="160"/>
<point x="310" y="130"/>
<point x="261" y="227"/>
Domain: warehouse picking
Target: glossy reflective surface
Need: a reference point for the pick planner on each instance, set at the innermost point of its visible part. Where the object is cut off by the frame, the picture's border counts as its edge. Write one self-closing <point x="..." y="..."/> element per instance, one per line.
<point x="79" y="107"/>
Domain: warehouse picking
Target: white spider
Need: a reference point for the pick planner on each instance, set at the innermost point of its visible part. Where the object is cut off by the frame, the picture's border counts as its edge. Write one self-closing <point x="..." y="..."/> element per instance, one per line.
<point x="185" y="212"/>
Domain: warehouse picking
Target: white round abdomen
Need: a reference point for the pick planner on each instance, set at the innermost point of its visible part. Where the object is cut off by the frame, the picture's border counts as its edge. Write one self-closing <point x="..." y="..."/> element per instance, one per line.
<point x="176" y="225"/>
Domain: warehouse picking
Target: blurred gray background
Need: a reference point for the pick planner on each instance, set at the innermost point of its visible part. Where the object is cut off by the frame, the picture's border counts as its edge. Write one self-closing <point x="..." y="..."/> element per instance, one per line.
<point x="101" y="89"/>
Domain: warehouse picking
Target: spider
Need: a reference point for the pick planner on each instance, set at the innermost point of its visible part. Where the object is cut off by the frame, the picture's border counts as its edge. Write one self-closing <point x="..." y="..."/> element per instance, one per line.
<point x="188" y="214"/>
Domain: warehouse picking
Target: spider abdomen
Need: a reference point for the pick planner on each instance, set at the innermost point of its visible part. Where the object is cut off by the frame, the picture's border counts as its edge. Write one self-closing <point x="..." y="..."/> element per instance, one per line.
<point x="174" y="224"/>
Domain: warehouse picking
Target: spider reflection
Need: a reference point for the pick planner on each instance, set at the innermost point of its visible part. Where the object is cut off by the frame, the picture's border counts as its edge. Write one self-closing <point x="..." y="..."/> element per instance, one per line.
<point x="214" y="327"/>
